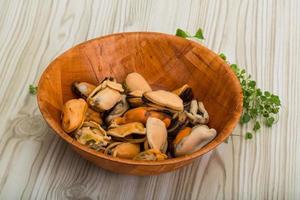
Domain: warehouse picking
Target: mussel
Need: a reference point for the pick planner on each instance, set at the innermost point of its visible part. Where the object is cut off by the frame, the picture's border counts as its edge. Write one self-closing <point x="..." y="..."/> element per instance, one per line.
<point x="129" y="120"/>
<point x="179" y="121"/>
<point x="185" y="92"/>
<point x="94" y="116"/>
<point x="82" y="89"/>
<point x="189" y="140"/>
<point x="151" y="155"/>
<point x="73" y="114"/>
<point x="197" y="113"/>
<point x="135" y="98"/>
<point x="135" y="81"/>
<point x="157" y="134"/>
<point x="93" y="135"/>
<point x="164" y="100"/>
<point x="118" y="110"/>
<point x="123" y="150"/>
<point x="105" y="96"/>
<point x="141" y="114"/>
<point x="127" y="129"/>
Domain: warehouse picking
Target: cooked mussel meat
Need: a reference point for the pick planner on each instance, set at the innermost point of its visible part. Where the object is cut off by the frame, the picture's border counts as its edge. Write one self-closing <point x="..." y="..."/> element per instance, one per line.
<point x="94" y="116"/>
<point x="197" y="113"/>
<point x="151" y="155"/>
<point x="135" y="81"/>
<point x="92" y="135"/>
<point x="82" y="89"/>
<point x="123" y="150"/>
<point x="135" y="98"/>
<point x="105" y="96"/>
<point x="73" y="114"/>
<point x="129" y="120"/>
<point x="162" y="99"/>
<point x="118" y="110"/>
<point x="189" y="140"/>
<point x="157" y="134"/>
<point x="141" y="114"/>
<point x="127" y="129"/>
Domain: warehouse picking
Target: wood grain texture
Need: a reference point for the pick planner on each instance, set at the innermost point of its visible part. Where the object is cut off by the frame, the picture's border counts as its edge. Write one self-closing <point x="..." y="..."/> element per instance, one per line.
<point x="262" y="36"/>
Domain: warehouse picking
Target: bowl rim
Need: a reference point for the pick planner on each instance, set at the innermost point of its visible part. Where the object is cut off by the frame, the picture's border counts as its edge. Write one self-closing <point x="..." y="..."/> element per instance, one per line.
<point x="230" y="125"/>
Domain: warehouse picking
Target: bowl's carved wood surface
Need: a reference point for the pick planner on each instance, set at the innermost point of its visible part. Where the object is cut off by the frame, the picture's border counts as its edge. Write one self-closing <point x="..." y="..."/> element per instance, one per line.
<point x="166" y="62"/>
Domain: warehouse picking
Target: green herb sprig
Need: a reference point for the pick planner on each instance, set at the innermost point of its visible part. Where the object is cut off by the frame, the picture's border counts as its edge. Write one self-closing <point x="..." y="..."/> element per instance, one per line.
<point x="185" y="34"/>
<point x="33" y="89"/>
<point x="258" y="106"/>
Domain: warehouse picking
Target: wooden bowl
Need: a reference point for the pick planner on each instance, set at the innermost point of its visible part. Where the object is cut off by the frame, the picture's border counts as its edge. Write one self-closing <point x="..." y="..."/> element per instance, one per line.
<point x="166" y="62"/>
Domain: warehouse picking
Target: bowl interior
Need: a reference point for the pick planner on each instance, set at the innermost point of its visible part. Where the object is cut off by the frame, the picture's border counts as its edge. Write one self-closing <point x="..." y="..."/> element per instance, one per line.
<point x="165" y="61"/>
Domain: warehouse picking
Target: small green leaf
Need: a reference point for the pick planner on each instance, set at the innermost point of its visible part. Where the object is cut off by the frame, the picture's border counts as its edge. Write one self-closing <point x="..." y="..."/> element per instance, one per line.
<point x="258" y="92"/>
<point x="33" y="89"/>
<point x="245" y="118"/>
<point x="222" y="55"/>
<point x="252" y="84"/>
<point x="182" y="33"/>
<point x="267" y="94"/>
<point x="199" y="34"/>
<point x="253" y="112"/>
<point x="234" y="67"/>
<point x="263" y="98"/>
<point x="256" y="126"/>
<point x="249" y="135"/>
<point x="275" y="110"/>
<point x="275" y="99"/>
<point x="270" y="121"/>
<point x="265" y="114"/>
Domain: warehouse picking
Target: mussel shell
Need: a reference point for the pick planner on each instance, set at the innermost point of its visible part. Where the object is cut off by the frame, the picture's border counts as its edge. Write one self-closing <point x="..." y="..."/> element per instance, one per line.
<point x="179" y="121"/>
<point x="187" y="95"/>
<point x="185" y="92"/>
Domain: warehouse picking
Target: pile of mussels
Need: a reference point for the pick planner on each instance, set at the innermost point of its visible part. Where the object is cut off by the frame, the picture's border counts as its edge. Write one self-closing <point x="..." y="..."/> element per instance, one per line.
<point x="132" y="121"/>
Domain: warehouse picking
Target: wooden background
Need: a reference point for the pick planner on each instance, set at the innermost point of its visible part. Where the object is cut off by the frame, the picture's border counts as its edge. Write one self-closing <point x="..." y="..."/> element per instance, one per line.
<point x="263" y="36"/>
